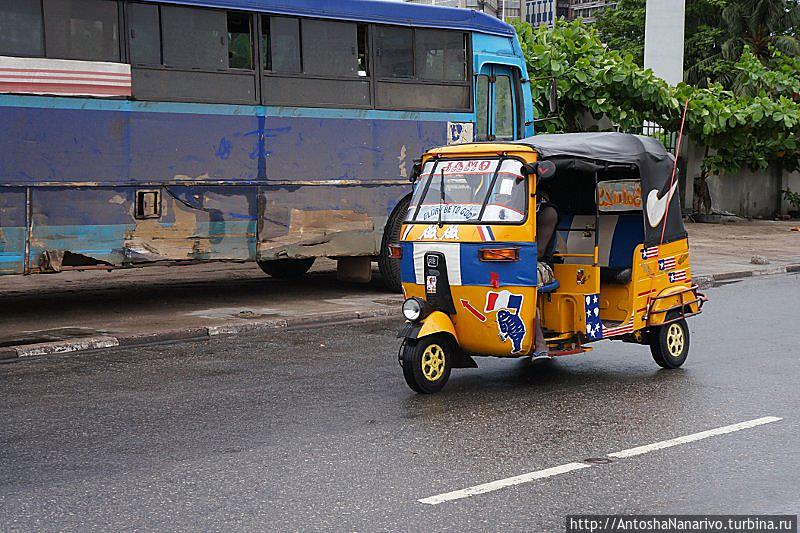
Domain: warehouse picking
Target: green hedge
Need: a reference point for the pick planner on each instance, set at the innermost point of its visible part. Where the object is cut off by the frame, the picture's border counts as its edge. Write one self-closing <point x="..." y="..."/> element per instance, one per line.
<point x="751" y="131"/>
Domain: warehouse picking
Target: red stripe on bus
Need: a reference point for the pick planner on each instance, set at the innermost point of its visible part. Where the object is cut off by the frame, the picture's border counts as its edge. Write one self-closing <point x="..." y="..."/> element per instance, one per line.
<point x="53" y="71"/>
<point x="34" y="79"/>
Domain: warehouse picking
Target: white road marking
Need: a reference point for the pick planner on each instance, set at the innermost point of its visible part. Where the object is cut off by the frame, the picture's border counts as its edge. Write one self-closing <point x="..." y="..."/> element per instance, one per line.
<point x="639" y="450"/>
<point x="502" y="483"/>
<point x="571" y="467"/>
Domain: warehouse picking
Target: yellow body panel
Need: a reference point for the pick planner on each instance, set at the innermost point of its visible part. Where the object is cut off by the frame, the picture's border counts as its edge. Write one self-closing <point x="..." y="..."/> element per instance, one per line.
<point x="476" y="336"/>
<point x="483" y="149"/>
<point x="437" y="322"/>
<point x="563" y="310"/>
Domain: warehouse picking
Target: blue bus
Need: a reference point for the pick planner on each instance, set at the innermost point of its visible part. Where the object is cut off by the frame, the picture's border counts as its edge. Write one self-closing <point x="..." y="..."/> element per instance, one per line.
<point x="277" y="131"/>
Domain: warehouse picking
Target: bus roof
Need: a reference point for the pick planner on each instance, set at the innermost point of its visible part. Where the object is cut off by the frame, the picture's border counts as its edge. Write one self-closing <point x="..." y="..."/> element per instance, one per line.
<point x="376" y="11"/>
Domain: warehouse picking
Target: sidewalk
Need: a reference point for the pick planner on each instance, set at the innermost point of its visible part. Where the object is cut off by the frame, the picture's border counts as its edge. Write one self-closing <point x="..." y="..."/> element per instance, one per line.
<point x="724" y="250"/>
<point x="96" y="309"/>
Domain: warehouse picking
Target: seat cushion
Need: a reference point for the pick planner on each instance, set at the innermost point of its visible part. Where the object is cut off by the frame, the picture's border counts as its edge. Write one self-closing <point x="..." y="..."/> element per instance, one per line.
<point x="550" y="287"/>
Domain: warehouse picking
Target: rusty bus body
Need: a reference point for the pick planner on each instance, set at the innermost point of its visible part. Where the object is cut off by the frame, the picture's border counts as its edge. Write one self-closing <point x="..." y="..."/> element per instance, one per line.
<point x="126" y="159"/>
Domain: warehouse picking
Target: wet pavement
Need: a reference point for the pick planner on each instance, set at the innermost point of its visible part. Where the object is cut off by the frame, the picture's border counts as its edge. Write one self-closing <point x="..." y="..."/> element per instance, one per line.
<point x="316" y="429"/>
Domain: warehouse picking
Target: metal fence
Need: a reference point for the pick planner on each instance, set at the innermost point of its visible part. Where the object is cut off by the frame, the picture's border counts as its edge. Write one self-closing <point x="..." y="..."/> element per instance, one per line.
<point x="668" y="138"/>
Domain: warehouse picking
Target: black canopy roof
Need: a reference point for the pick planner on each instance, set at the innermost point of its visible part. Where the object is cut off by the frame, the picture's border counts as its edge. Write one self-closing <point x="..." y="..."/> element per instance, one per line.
<point x="648" y="155"/>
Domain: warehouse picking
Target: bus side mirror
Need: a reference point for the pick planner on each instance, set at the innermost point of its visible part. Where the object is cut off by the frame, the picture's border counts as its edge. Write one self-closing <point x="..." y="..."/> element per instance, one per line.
<point x="416" y="170"/>
<point x="553" y="98"/>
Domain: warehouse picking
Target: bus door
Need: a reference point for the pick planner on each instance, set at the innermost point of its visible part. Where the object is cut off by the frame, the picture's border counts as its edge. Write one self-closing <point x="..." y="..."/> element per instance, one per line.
<point x="496" y="104"/>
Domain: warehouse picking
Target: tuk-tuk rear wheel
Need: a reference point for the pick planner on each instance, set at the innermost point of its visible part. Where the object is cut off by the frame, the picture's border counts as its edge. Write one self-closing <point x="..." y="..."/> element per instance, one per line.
<point x="670" y="344"/>
<point x="427" y="363"/>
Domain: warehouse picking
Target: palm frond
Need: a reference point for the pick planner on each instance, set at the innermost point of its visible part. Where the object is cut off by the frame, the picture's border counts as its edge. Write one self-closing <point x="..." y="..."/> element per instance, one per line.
<point x="787" y="44"/>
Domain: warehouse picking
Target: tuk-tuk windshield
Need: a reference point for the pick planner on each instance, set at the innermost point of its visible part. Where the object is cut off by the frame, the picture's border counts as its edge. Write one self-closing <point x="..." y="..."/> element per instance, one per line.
<point x="475" y="190"/>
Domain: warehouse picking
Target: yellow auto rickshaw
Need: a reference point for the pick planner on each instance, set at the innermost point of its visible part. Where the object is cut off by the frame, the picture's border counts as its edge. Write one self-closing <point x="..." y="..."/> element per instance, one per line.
<point x="469" y="259"/>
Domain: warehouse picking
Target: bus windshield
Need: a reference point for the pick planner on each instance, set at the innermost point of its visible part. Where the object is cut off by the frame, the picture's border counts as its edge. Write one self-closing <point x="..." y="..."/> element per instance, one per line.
<point x="475" y="190"/>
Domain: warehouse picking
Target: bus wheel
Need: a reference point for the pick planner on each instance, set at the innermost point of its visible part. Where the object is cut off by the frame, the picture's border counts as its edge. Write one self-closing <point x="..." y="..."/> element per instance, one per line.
<point x="427" y="363"/>
<point x="670" y="344"/>
<point x="390" y="268"/>
<point x="286" y="268"/>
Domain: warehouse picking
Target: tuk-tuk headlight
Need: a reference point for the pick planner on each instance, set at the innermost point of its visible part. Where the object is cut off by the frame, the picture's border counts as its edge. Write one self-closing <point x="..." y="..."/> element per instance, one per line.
<point x="415" y="309"/>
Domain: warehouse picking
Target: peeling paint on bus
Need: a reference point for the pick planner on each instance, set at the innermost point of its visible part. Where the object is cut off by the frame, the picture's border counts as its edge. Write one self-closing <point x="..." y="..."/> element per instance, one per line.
<point x="233" y="187"/>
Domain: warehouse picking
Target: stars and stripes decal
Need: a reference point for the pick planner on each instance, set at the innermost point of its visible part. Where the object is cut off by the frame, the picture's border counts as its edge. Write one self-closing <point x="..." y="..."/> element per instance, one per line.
<point x="649" y="253"/>
<point x="678" y="275"/>
<point x="622" y="329"/>
<point x="667" y="263"/>
<point x="485" y="233"/>
<point x="61" y="77"/>
<point x="594" y="326"/>
<point x="595" y="330"/>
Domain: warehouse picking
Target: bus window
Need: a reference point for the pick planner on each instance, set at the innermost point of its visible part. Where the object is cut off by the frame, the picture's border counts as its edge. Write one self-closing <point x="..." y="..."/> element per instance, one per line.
<point x="82" y="29"/>
<point x="332" y="49"/>
<point x="503" y="109"/>
<point x="240" y="41"/>
<point x="194" y="38"/>
<point x="145" y="34"/>
<point x="421" y="69"/>
<point x="363" y="50"/>
<point x="282" y="44"/>
<point x="191" y="54"/>
<point x="21" y="28"/>
<point x="395" y="52"/>
<point x="482" y="112"/>
<point x="495" y="104"/>
<point x="317" y="63"/>
<point x="441" y="55"/>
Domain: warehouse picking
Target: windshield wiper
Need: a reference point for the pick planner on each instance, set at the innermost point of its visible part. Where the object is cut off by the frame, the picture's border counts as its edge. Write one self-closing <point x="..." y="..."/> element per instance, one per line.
<point x="441" y="197"/>
<point x="425" y="190"/>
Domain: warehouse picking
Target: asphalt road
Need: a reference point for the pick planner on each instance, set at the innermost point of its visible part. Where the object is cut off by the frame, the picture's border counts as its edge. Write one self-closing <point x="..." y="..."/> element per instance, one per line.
<point x="316" y="429"/>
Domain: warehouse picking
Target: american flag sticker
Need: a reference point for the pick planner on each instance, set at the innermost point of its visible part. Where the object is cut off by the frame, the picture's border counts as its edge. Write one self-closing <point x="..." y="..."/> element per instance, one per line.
<point x="485" y="233"/>
<point x="594" y="326"/>
<point x="649" y="253"/>
<point x="678" y="275"/>
<point x="667" y="263"/>
<point x="622" y="329"/>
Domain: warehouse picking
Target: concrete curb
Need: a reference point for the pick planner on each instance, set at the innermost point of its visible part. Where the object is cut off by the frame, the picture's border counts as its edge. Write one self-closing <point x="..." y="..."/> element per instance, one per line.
<point x="140" y="339"/>
<point x="707" y="281"/>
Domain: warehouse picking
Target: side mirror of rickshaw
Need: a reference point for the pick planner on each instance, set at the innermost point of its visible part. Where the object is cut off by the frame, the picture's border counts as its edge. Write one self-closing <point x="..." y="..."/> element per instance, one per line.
<point x="544" y="170"/>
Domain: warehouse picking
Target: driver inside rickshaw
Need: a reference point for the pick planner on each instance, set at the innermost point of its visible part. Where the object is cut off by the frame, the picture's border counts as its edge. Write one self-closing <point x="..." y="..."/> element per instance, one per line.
<point x="546" y="223"/>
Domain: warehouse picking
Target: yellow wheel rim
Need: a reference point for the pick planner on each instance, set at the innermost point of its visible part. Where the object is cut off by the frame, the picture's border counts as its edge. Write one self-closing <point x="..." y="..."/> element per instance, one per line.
<point x="675" y="340"/>
<point x="433" y="362"/>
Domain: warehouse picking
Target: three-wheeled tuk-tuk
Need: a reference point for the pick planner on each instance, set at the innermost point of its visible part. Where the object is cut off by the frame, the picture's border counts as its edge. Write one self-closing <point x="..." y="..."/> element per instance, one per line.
<point x="618" y="261"/>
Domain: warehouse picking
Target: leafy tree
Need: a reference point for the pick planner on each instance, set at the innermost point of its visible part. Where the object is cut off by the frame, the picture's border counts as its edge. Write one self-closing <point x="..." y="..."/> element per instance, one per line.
<point x="622" y="28"/>
<point x="717" y="32"/>
<point x="760" y="25"/>
<point x="704" y="35"/>
<point x="753" y="130"/>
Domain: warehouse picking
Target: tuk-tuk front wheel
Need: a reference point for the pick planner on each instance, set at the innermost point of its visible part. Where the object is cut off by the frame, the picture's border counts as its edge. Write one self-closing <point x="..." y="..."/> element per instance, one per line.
<point x="427" y="363"/>
<point x="670" y="344"/>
